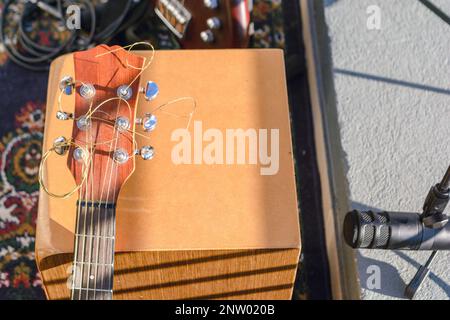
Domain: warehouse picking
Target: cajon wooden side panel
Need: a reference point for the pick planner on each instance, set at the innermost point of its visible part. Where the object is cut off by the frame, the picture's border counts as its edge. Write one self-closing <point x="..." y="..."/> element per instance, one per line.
<point x="198" y="274"/>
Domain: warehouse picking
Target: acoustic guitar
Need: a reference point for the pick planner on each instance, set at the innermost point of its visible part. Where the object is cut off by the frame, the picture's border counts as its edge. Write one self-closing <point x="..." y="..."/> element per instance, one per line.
<point x="100" y="155"/>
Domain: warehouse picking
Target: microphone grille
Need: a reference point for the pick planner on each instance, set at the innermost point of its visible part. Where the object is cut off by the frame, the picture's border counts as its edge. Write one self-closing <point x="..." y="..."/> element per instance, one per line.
<point x="367" y="229"/>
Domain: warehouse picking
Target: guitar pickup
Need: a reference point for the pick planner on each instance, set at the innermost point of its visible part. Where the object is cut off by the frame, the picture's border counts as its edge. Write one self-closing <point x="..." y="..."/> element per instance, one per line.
<point x="174" y="15"/>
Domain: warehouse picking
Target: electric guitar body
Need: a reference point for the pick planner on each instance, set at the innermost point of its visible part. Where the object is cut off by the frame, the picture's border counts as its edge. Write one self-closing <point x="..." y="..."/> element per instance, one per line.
<point x="209" y="24"/>
<point x="120" y="219"/>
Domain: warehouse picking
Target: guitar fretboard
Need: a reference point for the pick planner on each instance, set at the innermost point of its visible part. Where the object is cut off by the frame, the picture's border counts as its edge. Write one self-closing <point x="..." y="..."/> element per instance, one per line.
<point x="93" y="265"/>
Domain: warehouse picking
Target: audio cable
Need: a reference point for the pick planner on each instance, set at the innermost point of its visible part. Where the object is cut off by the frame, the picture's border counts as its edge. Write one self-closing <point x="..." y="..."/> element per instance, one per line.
<point x="20" y="21"/>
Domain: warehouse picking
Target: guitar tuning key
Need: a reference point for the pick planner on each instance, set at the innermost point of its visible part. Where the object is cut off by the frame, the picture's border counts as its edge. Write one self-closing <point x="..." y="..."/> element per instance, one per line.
<point x="207" y="36"/>
<point x="60" y="145"/>
<point x="214" y="23"/>
<point x="148" y="123"/>
<point x="61" y="115"/>
<point x="211" y="4"/>
<point x="146" y="152"/>
<point x="150" y="90"/>
<point x="66" y="85"/>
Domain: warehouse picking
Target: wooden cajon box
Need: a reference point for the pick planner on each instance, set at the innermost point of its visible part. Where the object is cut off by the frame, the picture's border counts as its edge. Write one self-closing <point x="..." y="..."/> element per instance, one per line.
<point x="190" y="231"/>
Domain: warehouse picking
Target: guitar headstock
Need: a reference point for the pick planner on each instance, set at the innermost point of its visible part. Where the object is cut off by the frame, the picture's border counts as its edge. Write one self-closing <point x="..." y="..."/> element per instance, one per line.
<point x="209" y="24"/>
<point x="106" y="88"/>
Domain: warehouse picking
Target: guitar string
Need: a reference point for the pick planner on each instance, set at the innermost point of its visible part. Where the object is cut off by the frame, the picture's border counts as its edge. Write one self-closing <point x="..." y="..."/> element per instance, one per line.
<point x="114" y="141"/>
<point x="89" y="114"/>
<point x="109" y="186"/>
<point x="91" y="208"/>
<point x="44" y="159"/>
<point x="111" y="261"/>
<point x="113" y="228"/>
<point x="86" y="200"/>
<point x="106" y="202"/>
<point x="76" y="249"/>
<point x="83" y="246"/>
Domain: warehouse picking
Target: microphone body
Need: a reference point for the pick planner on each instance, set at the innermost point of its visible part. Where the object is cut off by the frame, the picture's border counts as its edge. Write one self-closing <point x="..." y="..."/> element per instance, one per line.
<point x="393" y="230"/>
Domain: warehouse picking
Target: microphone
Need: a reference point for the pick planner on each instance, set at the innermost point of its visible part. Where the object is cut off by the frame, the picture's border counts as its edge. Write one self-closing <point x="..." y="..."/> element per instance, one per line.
<point x="393" y="230"/>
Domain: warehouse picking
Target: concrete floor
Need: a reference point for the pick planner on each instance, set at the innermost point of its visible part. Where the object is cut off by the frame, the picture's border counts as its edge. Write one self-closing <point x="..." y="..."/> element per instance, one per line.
<point x="393" y="91"/>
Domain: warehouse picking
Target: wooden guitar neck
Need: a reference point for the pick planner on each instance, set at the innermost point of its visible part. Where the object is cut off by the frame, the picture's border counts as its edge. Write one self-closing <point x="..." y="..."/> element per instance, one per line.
<point x="94" y="251"/>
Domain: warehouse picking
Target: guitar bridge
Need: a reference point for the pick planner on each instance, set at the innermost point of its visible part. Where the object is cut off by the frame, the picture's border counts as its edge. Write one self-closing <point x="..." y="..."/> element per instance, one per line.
<point x="174" y="15"/>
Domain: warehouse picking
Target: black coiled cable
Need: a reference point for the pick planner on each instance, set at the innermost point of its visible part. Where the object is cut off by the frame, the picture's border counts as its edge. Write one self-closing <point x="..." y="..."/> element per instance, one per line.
<point x="33" y="55"/>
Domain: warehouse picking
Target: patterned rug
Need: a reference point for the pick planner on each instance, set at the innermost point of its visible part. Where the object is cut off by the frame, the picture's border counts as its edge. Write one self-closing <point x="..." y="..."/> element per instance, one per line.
<point x="21" y="125"/>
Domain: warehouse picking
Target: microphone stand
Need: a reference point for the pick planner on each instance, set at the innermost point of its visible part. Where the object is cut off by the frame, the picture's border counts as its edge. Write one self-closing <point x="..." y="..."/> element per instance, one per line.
<point x="433" y="216"/>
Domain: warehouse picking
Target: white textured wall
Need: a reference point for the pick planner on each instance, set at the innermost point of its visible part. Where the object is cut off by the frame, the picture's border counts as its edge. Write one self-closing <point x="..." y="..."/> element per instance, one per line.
<point x="393" y="93"/>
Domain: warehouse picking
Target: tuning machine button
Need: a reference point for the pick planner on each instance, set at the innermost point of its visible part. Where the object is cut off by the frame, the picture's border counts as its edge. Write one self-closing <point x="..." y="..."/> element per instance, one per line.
<point x="211" y="4"/>
<point x="207" y="36"/>
<point x="61" y="115"/>
<point x="60" y="145"/>
<point x="214" y="23"/>
<point x="66" y="85"/>
<point x="147" y="152"/>
<point x="150" y="91"/>
<point x="148" y="123"/>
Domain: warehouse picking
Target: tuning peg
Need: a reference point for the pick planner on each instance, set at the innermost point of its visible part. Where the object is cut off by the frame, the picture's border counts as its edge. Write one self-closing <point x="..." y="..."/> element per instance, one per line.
<point x="211" y="4"/>
<point x="207" y="36"/>
<point x="60" y="145"/>
<point x="66" y="85"/>
<point x="148" y="122"/>
<point x="147" y="152"/>
<point x="214" y="23"/>
<point x="150" y="91"/>
<point x="61" y="115"/>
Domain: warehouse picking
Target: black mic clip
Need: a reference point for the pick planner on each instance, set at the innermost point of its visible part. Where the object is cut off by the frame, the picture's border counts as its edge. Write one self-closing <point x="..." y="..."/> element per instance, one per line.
<point x="433" y="217"/>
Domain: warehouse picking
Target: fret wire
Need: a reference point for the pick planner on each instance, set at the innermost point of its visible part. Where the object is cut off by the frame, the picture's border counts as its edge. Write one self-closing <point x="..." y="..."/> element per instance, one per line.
<point x="94" y="236"/>
<point x="94" y="263"/>
<point x="90" y="289"/>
